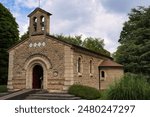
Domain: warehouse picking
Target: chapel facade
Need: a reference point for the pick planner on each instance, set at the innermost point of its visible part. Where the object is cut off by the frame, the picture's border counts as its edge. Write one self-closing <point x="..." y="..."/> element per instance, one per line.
<point x="43" y="61"/>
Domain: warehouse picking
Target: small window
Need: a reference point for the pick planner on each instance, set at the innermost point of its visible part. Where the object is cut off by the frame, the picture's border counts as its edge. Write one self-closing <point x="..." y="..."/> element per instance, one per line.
<point x="79" y="65"/>
<point x="90" y="66"/>
<point x="102" y="74"/>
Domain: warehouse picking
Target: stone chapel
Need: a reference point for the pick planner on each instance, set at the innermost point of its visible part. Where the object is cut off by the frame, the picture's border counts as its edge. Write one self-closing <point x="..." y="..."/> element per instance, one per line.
<point x="43" y="61"/>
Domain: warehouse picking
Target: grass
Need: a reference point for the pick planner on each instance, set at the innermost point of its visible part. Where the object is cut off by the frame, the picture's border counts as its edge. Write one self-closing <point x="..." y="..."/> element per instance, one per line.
<point x="3" y="88"/>
<point x="130" y="87"/>
<point x="84" y="92"/>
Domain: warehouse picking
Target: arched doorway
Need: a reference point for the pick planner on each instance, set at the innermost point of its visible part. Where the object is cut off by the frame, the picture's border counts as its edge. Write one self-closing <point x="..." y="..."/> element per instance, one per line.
<point x="37" y="81"/>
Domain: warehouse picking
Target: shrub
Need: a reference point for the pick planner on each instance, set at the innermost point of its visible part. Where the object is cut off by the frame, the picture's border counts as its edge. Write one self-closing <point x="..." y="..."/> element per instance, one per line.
<point x="3" y="88"/>
<point x="130" y="87"/>
<point x="84" y="92"/>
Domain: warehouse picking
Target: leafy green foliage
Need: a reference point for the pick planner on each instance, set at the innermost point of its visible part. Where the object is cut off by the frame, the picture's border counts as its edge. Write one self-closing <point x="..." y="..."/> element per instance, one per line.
<point x="130" y="87"/>
<point x="94" y="44"/>
<point x="134" y="50"/>
<point x="25" y="36"/>
<point x="70" y="39"/>
<point x="3" y="88"/>
<point x="9" y="34"/>
<point x="84" y="92"/>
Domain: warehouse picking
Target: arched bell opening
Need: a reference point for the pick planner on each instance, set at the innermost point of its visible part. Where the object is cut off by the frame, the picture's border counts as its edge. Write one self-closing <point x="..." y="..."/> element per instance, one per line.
<point x="42" y="23"/>
<point x="35" y="24"/>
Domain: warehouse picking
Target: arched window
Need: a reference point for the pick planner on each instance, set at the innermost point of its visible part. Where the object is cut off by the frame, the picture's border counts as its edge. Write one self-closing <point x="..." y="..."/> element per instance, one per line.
<point x="79" y="65"/>
<point x="90" y="66"/>
<point x="102" y="74"/>
<point x="42" y="23"/>
<point x="35" y="23"/>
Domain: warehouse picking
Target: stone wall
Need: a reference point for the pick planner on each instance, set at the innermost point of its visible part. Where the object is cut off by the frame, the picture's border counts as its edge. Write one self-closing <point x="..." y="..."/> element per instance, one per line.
<point x="56" y="53"/>
<point x="111" y="76"/>
<point x="39" y="30"/>
<point x="20" y="55"/>
<point x="10" y="70"/>
<point x="87" y="78"/>
<point x="37" y="50"/>
<point x="59" y="63"/>
<point x="94" y="80"/>
<point x="68" y="74"/>
<point x="57" y="58"/>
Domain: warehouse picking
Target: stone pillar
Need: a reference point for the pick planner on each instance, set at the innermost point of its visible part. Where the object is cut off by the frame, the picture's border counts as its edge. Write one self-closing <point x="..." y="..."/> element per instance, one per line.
<point x="10" y="70"/>
<point x="68" y="74"/>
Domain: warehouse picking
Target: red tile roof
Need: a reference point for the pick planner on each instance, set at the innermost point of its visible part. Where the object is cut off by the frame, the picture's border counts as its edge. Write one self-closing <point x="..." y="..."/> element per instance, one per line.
<point x="110" y="63"/>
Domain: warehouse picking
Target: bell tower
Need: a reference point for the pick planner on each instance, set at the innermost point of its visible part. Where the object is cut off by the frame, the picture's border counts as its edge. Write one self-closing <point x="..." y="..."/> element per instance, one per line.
<point x="39" y="22"/>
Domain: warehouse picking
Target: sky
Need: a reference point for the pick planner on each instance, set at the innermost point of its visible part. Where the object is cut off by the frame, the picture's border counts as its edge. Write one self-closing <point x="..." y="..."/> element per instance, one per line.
<point x="90" y="18"/>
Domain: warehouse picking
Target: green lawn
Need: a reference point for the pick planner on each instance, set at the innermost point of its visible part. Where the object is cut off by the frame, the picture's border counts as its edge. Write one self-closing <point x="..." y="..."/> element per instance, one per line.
<point x="3" y="88"/>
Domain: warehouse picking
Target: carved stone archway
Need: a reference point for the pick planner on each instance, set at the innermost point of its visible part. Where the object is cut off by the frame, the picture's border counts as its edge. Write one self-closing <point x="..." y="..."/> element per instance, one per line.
<point x="31" y="62"/>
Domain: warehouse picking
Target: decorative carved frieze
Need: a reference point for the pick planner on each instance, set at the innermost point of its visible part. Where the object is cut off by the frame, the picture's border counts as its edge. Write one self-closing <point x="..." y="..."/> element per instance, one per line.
<point x="37" y="44"/>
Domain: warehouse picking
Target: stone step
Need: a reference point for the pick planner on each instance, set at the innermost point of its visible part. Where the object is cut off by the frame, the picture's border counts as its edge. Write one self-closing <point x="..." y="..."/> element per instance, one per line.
<point x="44" y="95"/>
<point x="52" y="95"/>
<point x="41" y="91"/>
<point x="18" y="95"/>
<point x="50" y="98"/>
<point x="3" y="94"/>
<point x="35" y="94"/>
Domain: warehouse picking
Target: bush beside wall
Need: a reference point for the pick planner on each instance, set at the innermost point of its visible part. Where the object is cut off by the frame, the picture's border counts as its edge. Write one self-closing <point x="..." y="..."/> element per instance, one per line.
<point x="84" y="92"/>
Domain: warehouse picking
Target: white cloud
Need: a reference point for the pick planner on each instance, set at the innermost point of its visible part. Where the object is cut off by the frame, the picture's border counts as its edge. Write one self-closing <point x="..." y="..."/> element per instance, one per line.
<point x="88" y="18"/>
<point x="22" y="21"/>
<point x="76" y="17"/>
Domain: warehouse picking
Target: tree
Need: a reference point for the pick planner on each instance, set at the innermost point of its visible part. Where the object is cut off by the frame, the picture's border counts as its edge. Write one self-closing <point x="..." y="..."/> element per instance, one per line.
<point x="96" y="45"/>
<point x="25" y="36"/>
<point x="70" y="39"/>
<point x="9" y="34"/>
<point x="134" y="51"/>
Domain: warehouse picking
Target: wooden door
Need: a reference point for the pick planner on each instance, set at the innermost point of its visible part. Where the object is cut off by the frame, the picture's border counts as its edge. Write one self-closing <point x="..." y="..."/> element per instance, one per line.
<point x="37" y="77"/>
